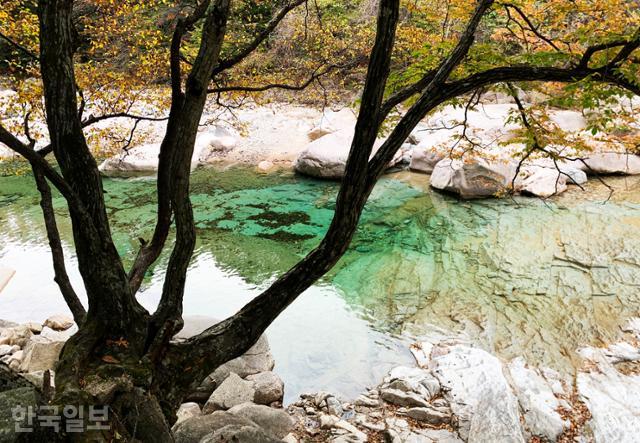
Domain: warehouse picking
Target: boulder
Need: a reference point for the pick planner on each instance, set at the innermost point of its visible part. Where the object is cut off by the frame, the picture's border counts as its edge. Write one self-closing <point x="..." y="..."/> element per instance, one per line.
<point x="16" y="335"/>
<point x="326" y="157"/>
<point x="233" y="391"/>
<point x="41" y="354"/>
<point x="424" y="159"/>
<point x="611" y="163"/>
<point x="613" y="399"/>
<point x="480" y="398"/>
<point x="8" y="349"/>
<point x="537" y="401"/>
<point x="143" y="159"/>
<point x="59" y="322"/>
<point x="269" y="388"/>
<point x="256" y="360"/>
<point x="214" y="143"/>
<point x="430" y="415"/>
<point x="275" y="421"/>
<point x="240" y="434"/>
<point x="474" y="178"/>
<point x="194" y="429"/>
<point x="416" y="380"/>
<point x="187" y="410"/>
<point x="542" y="182"/>
<point x="401" y="398"/>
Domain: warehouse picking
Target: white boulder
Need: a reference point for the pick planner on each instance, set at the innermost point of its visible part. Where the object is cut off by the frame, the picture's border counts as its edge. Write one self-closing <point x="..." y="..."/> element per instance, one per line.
<point x="537" y="400"/>
<point x="611" y="163"/>
<point x="327" y="156"/>
<point x="473" y="178"/>
<point x="479" y="395"/>
<point x="613" y="399"/>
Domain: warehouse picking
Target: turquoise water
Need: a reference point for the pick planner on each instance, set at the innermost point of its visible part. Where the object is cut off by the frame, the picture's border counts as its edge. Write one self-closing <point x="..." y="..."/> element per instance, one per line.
<point x="515" y="276"/>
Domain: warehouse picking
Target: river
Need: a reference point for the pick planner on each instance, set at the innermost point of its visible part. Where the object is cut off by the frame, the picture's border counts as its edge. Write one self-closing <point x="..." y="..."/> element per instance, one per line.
<point x="516" y="276"/>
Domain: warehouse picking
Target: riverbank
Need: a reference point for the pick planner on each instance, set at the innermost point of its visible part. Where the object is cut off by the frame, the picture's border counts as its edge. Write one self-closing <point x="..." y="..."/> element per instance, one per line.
<point x="455" y="392"/>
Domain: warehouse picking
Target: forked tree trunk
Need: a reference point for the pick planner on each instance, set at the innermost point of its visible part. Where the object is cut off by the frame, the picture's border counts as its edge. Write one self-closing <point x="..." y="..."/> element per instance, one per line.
<point x="122" y="356"/>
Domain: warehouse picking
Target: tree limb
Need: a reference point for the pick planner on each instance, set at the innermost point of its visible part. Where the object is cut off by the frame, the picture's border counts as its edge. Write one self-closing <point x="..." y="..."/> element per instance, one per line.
<point x="57" y="253"/>
<point x="257" y="41"/>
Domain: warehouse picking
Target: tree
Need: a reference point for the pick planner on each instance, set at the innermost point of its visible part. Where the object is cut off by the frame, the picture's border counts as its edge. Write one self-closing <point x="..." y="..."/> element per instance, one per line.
<point x="123" y="355"/>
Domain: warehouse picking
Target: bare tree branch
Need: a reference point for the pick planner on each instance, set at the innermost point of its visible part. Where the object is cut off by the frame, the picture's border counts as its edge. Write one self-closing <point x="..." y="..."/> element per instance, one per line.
<point x="19" y="47"/>
<point x="530" y="25"/>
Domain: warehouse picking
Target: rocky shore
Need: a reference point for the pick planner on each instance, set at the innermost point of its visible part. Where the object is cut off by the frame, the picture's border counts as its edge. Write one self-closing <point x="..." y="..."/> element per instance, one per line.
<point x="455" y="392"/>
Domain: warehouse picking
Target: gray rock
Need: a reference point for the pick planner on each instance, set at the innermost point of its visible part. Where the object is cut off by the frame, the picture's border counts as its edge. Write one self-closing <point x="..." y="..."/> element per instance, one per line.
<point x="17" y="335"/>
<point x="257" y="359"/>
<point x="274" y="421"/>
<point x="400" y="398"/>
<point x="357" y="435"/>
<point x="290" y="438"/>
<point x="8" y="349"/>
<point x="9" y="400"/>
<point x="41" y="354"/>
<point x="36" y="328"/>
<point x="430" y="415"/>
<point x="537" y="401"/>
<point x="334" y="406"/>
<point x="473" y="179"/>
<point x="269" y="387"/>
<point x="478" y="393"/>
<point x="542" y="182"/>
<point x="59" y="322"/>
<point x="240" y="434"/>
<point x="328" y="421"/>
<point x="188" y="410"/>
<point x="52" y="335"/>
<point x="233" y="391"/>
<point x="363" y="400"/>
<point x="424" y="159"/>
<point x="611" y="163"/>
<point x="417" y="380"/>
<point x="194" y="429"/>
<point x="614" y="401"/>
<point x="326" y="157"/>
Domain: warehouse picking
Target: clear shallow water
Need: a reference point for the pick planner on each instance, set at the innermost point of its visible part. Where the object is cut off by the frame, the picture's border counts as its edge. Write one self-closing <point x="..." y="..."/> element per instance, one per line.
<point x="517" y="276"/>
